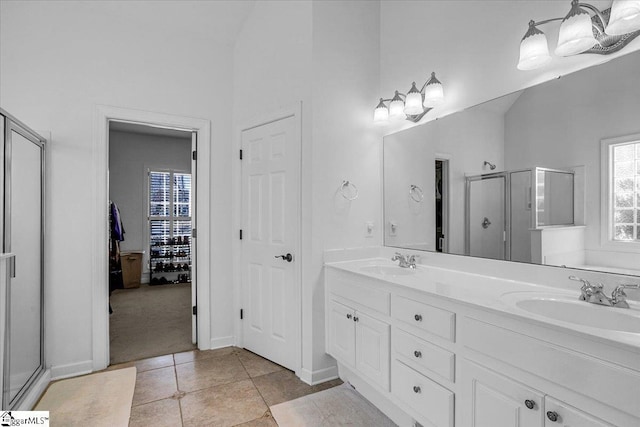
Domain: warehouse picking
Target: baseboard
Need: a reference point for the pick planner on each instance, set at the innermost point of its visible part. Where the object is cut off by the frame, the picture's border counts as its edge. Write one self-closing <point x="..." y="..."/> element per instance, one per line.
<point x="38" y="388"/>
<point x="377" y="398"/>
<point x="220" y="343"/>
<point x="318" y="376"/>
<point x="71" y="370"/>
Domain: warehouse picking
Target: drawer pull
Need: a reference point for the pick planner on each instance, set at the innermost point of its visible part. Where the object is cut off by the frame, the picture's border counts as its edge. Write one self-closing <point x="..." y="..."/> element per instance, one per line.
<point x="553" y="416"/>
<point x="418" y="317"/>
<point x="355" y="319"/>
<point x="416" y="389"/>
<point x="349" y="316"/>
<point x="529" y="403"/>
<point x="417" y="353"/>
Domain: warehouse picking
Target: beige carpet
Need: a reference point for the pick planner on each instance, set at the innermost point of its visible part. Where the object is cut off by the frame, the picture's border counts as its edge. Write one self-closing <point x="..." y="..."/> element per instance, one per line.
<point x="150" y="321"/>
<point x="95" y="400"/>
<point x="338" y="406"/>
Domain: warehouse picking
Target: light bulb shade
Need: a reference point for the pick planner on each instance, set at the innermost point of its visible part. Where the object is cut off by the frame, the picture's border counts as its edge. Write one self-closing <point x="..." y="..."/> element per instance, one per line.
<point x="534" y="49"/>
<point x="381" y="113"/>
<point x="396" y="107"/>
<point x="576" y="32"/>
<point x="433" y="92"/>
<point x="413" y="103"/>
<point x="624" y="18"/>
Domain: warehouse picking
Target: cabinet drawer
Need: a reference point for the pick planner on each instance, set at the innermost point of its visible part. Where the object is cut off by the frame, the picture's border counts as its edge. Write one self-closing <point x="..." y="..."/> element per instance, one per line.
<point x="432" y="401"/>
<point x="362" y="293"/>
<point x="422" y="355"/>
<point x="425" y="317"/>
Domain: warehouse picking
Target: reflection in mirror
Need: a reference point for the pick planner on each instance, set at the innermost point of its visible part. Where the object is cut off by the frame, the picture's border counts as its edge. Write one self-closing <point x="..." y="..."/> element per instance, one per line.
<point x="547" y="175"/>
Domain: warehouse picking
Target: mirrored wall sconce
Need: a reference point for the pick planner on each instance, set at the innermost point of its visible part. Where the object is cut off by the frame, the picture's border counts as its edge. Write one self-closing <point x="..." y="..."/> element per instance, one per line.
<point x="603" y="33"/>
<point x="412" y="106"/>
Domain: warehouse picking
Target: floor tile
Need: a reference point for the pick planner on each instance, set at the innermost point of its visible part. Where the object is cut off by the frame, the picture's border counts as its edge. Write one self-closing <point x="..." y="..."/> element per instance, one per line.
<point x="221" y="406"/>
<point x="154" y="363"/>
<point x="154" y="385"/>
<point x="266" y="421"/>
<point x="205" y="373"/>
<point x="256" y="365"/>
<point x="281" y="386"/>
<point x="190" y="356"/>
<point x="158" y="414"/>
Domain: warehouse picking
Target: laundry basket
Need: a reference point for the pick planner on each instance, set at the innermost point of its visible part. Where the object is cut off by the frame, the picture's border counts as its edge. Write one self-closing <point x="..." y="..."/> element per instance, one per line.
<point x="131" y="268"/>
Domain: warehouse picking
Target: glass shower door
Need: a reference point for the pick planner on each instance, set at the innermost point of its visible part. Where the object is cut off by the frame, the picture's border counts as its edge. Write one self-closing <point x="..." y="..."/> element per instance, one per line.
<point x="23" y="236"/>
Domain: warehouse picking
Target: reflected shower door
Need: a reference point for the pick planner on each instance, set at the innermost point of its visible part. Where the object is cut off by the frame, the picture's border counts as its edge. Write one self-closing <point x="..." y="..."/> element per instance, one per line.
<point x="23" y="237"/>
<point x="486" y="226"/>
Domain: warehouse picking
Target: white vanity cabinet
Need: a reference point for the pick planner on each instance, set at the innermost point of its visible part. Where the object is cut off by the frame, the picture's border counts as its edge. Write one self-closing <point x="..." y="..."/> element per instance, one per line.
<point x="358" y="335"/>
<point x="494" y="400"/>
<point x="449" y="363"/>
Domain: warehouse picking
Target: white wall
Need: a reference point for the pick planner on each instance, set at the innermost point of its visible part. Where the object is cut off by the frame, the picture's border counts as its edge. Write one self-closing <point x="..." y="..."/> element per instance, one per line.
<point x="61" y="59"/>
<point x="308" y="51"/>
<point x="473" y="47"/>
<point x="130" y="156"/>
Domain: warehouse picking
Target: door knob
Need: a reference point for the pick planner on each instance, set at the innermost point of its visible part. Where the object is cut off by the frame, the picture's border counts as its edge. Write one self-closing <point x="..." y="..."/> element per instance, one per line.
<point x="287" y="257"/>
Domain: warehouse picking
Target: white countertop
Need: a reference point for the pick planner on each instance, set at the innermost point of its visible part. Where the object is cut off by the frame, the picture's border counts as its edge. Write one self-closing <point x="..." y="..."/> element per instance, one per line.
<point x="496" y="294"/>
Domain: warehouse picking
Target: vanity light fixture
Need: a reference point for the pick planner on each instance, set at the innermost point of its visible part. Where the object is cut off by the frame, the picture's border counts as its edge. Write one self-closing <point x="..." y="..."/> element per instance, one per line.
<point x="603" y="33"/>
<point x="412" y="106"/>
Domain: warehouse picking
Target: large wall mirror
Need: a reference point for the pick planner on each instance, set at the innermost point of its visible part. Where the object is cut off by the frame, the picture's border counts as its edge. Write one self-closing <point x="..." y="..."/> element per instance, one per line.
<point x="547" y="175"/>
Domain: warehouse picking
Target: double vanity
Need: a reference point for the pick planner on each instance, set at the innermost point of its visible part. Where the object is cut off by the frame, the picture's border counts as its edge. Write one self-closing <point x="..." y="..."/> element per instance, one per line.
<point x="442" y="347"/>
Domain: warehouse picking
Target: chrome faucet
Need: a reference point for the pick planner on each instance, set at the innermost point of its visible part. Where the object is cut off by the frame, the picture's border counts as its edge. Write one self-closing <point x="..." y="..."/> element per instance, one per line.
<point x="405" y="261"/>
<point x="593" y="293"/>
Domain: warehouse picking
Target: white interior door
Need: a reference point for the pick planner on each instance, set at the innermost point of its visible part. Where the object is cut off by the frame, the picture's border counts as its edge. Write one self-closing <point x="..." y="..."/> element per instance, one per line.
<point x="194" y="255"/>
<point x="271" y="230"/>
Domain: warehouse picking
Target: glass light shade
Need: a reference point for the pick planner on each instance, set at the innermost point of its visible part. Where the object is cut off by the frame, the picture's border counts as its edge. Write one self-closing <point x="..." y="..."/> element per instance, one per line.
<point x="396" y="107"/>
<point x="576" y="33"/>
<point x="433" y="92"/>
<point x="534" y="50"/>
<point x="413" y="103"/>
<point x="625" y="17"/>
<point x="381" y="114"/>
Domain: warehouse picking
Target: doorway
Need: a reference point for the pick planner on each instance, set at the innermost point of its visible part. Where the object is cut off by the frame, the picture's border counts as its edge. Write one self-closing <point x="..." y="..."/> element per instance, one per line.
<point x="442" y="205"/>
<point x="270" y="245"/>
<point x="151" y="246"/>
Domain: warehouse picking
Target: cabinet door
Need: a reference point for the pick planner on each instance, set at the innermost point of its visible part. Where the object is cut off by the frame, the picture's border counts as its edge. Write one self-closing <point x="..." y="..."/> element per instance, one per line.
<point x="342" y="334"/>
<point x="372" y="349"/>
<point x="492" y="400"/>
<point x="568" y="416"/>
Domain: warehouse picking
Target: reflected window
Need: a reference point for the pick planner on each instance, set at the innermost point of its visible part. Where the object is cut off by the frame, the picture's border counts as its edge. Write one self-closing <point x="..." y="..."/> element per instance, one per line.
<point x="624" y="184"/>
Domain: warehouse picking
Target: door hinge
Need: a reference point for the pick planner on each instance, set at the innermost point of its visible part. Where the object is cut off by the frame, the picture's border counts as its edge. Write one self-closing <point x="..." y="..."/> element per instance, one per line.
<point x="194" y="155"/>
<point x="240" y="234"/>
<point x="240" y="154"/>
<point x="241" y="314"/>
<point x="194" y="310"/>
<point x="194" y="233"/>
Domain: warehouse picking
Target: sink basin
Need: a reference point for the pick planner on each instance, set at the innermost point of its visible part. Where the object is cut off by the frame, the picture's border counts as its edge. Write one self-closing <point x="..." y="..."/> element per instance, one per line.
<point x="567" y="309"/>
<point x="385" y="270"/>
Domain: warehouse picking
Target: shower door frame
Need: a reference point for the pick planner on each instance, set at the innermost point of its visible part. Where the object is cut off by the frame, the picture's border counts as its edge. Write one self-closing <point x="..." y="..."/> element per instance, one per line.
<point x="534" y="196"/>
<point x="507" y="214"/>
<point x="11" y="124"/>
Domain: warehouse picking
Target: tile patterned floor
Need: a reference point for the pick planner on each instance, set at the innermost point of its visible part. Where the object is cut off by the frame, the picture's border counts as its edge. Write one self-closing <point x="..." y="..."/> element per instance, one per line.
<point x="225" y="387"/>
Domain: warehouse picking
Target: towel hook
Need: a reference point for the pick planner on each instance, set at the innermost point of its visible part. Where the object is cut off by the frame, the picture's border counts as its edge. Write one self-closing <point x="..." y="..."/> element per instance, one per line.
<point x="416" y="193"/>
<point x="344" y="189"/>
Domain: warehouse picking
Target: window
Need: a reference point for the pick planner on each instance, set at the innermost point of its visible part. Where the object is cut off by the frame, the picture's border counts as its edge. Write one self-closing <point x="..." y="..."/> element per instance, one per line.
<point x="624" y="189"/>
<point x="169" y="207"/>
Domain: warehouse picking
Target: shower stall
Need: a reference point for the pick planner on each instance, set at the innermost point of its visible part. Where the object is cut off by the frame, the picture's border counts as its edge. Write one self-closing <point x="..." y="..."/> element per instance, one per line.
<point x="503" y="208"/>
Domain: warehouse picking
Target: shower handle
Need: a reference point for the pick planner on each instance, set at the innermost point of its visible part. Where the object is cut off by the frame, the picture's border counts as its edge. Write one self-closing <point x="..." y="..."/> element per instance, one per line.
<point x="486" y="223"/>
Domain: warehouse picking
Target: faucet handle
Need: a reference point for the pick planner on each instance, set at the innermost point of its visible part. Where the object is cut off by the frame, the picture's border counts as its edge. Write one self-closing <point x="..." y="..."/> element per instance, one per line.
<point x="585" y="282"/>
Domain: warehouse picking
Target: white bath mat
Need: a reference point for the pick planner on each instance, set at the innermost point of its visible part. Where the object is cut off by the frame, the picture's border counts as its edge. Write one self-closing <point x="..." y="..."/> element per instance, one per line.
<point x="337" y="406"/>
<point x="95" y="400"/>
